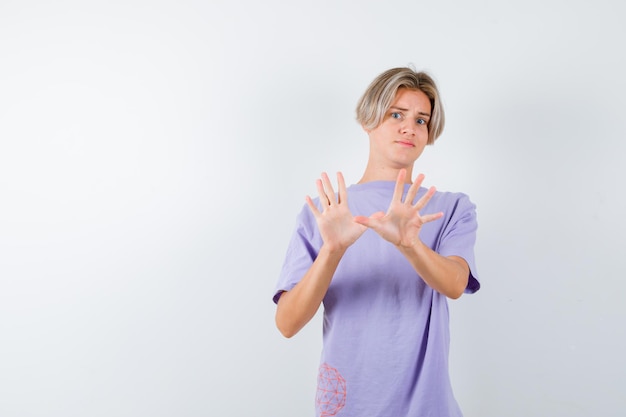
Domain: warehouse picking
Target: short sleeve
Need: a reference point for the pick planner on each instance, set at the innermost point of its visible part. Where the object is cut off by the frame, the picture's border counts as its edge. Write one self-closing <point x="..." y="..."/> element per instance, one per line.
<point x="301" y="252"/>
<point x="459" y="237"/>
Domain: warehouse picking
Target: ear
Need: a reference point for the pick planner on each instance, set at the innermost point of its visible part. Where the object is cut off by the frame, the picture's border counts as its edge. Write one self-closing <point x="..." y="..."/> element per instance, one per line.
<point x="366" y="129"/>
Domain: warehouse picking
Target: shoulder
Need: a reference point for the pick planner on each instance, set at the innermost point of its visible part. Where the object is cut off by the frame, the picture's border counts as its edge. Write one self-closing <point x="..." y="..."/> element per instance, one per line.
<point x="459" y="212"/>
<point x="305" y="221"/>
<point x="456" y="201"/>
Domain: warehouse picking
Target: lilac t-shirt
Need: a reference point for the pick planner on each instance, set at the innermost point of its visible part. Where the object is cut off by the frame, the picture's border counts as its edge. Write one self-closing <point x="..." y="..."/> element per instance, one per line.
<point x="386" y="333"/>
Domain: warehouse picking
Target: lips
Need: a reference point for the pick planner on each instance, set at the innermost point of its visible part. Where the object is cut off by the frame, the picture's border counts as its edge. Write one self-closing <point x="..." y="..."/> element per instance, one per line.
<point x="405" y="143"/>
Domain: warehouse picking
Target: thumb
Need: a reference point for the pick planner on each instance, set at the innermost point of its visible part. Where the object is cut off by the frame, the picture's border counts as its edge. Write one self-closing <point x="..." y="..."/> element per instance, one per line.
<point x="365" y="221"/>
<point x="369" y="221"/>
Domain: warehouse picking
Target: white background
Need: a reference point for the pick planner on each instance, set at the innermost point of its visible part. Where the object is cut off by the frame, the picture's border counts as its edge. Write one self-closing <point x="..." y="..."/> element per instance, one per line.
<point x="153" y="156"/>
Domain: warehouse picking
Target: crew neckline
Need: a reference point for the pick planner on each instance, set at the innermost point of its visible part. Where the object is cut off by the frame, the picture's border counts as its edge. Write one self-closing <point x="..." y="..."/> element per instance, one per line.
<point x="380" y="185"/>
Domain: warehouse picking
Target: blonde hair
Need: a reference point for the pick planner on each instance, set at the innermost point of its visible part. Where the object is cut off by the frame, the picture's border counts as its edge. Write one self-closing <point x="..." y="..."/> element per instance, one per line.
<point x="377" y="99"/>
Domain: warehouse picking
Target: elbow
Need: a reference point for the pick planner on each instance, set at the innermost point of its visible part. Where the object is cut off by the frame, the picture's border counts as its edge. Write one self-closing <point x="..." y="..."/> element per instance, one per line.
<point x="285" y="328"/>
<point x="459" y="280"/>
<point x="455" y="295"/>
<point x="285" y="322"/>
<point x="287" y="333"/>
<point x="458" y="290"/>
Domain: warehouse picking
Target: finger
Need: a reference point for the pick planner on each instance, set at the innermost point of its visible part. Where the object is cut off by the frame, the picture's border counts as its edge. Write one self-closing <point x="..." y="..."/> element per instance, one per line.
<point x="421" y="203"/>
<point x="399" y="190"/>
<point x="431" y="217"/>
<point x="328" y="187"/>
<point x="365" y="221"/>
<point x="370" y="221"/>
<point x="410" y="195"/>
<point x="324" y="201"/>
<point x="312" y="206"/>
<point x="343" y="193"/>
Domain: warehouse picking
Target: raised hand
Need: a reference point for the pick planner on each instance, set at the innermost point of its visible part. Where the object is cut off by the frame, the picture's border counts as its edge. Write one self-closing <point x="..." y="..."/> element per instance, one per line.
<point x="402" y="223"/>
<point x="334" y="220"/>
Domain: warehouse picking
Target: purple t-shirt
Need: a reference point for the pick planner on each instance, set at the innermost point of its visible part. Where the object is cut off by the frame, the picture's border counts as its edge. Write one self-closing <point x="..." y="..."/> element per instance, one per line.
<point x="386" y="333"/>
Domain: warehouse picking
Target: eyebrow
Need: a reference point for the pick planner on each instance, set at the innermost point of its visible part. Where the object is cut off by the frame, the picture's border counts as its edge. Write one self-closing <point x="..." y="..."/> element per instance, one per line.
<point x="402" y="109"/>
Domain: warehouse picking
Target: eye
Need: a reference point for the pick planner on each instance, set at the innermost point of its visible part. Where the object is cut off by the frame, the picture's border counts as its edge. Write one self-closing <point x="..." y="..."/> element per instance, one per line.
<point x="421" y="121"/>
<point x="396" y="115"/>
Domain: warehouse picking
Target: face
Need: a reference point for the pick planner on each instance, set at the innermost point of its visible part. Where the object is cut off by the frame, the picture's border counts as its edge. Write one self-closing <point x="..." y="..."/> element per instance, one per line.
<point x="402" y="135"/>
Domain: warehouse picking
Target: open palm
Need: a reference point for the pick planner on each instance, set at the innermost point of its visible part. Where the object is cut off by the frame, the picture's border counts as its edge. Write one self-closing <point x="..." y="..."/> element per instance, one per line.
<point x="334" y="220"/>
<point x="402" y="223"/>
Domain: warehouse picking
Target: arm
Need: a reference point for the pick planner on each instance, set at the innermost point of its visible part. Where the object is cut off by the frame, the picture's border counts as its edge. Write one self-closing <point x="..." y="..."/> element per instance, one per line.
<point x="298" y="306"/>
<point x="447" y="275"/>
<point x="401" y="226"/>
<point x="338" y="230"/>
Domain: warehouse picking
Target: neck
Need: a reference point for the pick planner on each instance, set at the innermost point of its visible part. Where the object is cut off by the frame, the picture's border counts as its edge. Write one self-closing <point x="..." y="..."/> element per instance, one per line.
<point x="385" y="174"/>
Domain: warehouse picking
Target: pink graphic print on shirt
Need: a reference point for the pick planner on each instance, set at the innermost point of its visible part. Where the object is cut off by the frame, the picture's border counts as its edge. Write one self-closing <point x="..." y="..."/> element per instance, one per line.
<point x="331" y="391"/>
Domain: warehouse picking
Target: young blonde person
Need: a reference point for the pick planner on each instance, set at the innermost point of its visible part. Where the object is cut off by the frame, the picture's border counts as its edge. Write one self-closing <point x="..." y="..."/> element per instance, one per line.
<point x="383" y="256"/>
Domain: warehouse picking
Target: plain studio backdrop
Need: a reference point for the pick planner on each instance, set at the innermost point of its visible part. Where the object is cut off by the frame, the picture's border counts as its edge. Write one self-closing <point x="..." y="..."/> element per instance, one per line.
<point x="153" y="157"/>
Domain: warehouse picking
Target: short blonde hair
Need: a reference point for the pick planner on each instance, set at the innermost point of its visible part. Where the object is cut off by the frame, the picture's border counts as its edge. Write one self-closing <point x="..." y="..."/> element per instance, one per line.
<point x="377" y="99"/>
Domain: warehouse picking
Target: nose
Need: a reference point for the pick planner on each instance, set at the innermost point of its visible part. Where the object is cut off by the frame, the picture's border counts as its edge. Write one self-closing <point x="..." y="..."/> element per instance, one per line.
<point x="407" y="128"/>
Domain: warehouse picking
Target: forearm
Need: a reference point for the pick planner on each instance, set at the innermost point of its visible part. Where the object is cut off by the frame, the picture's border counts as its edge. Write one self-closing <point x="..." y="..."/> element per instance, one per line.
<point x="446" y="275"/>
<point x="298" y="306"/>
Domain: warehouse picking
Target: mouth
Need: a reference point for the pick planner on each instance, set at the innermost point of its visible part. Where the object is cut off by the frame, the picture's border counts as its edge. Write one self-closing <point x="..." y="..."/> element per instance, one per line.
<point x="405" y="143"/>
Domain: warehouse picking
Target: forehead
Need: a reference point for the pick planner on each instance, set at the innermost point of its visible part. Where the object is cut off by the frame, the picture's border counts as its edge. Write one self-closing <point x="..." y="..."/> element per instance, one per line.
<point x="411" y="100"/>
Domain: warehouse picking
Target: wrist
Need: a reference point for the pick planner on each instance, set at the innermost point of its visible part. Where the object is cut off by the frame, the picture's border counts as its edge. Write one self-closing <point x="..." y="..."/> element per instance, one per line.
<point x="414" y="248"/>
<point x="332" y="250"/>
